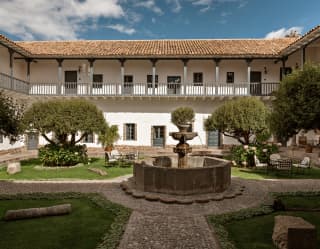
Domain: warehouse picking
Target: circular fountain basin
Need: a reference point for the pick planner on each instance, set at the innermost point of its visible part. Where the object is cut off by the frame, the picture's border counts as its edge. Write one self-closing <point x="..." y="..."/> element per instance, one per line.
<point x="203" y="175"/>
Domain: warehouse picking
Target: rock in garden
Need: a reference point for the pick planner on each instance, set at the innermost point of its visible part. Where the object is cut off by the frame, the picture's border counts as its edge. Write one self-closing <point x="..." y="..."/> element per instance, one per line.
<point x="13" y="168"/>
<point x="37" y="212"/>
<point x="98" y="171"/>
<point x="291" y="232"/>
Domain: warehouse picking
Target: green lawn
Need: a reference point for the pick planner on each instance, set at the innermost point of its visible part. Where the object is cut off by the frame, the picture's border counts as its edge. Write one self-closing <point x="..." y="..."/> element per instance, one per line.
<point x="87" y="226"/>
<point x="246" y="173"/>
<point x="32" y="171"/>
<point x="253" y="229"/>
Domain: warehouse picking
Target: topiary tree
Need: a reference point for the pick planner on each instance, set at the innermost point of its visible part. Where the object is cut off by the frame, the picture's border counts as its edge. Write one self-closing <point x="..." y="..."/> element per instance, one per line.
<point x="297" y="103"/>
<point x="241" y="119"/>
<point x="109" y="136"/>
<point x="65" y="119"/>
<point x="182" y="116"/>
<point x="10" y="117"/>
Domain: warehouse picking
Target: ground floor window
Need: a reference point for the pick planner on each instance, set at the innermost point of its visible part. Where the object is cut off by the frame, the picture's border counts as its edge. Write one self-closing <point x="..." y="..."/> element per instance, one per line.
<point x="130" y="131"/>
<point x="89" y="138"/>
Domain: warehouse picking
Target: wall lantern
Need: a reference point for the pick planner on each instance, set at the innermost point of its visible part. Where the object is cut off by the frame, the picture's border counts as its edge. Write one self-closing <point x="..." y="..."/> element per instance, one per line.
<point x="265" y="70"/>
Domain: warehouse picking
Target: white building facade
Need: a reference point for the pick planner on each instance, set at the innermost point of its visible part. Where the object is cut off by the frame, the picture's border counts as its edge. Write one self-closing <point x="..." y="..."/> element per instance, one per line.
<point x="138" y="83"/>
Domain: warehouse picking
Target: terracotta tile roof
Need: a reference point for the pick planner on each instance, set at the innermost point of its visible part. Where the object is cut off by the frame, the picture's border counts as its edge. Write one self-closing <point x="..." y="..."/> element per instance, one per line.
<point x="158" y="48"/>
<point x="308" y="37"/>
<point x="13" y="45"/>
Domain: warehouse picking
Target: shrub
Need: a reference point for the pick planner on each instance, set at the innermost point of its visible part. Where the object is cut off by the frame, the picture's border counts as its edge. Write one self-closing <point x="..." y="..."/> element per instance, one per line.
<point x="54" y="155"/>
<point x="182" y="115"/>
<point x="245" y="153"/>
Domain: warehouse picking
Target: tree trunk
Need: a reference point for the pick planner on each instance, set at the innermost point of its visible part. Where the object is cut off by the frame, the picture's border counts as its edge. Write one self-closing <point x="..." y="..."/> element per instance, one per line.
<point x="37" y="212"/>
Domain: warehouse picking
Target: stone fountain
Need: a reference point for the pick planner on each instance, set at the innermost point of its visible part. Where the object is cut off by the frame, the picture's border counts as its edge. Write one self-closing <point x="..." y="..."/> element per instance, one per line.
<point x="183" y="148"/>
<point x="183" y="178"/>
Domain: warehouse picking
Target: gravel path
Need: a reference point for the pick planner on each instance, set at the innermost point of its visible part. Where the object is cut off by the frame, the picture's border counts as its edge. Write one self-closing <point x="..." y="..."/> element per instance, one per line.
<point x="155" y="225"/>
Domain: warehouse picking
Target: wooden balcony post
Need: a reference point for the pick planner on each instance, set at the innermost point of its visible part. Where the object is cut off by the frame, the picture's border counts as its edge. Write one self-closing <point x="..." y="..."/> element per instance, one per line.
<point x="122" y="61"/>
<point x="249" y="74"/>
<point x="153" y="61"/>
<point x="11" y="52"/>
<point x="91" y="68"/>
<point x="217" y="62"/>
<point x="185" y="75"/>
<point x="59" y="90"/>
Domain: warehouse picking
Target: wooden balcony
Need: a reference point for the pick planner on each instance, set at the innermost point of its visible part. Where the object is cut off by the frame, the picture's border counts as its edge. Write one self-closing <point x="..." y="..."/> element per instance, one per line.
<point x="136" y="89"/>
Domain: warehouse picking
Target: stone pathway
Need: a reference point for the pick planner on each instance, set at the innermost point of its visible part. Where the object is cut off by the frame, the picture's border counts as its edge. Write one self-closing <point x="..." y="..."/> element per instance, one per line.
<point x="155" y="225"/>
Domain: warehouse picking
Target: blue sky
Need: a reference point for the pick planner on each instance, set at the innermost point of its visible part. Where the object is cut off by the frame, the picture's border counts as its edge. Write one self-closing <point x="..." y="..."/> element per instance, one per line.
<point x="155" y="19"/>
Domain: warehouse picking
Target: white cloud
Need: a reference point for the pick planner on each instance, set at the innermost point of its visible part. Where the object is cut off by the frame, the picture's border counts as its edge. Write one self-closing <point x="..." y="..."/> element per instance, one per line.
<point x="151" y="5"/>
<point x="176" y="5"/>
<point x="54" y="20"/>
<point x="122" y="29"/>
<point x="283" y="32"/>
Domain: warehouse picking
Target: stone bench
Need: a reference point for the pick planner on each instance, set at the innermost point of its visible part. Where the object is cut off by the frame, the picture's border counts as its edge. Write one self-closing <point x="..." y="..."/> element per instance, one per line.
<point x="291" y="232"/>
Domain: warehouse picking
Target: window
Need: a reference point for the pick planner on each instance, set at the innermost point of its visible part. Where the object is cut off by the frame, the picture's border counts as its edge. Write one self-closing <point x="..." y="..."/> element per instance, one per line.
<point x="149" y="81"/>
<point x="128" y="79"/>
<point x="174" y="79"/>
<point x="287" y="70"/>
<point x="1" y="139"/>
<point x="230" y="77"/>
<point x="97" y="80"/>
<point x="130" y="131"/>
<point x="198" y="79"/>
<point x="88" y="138"/>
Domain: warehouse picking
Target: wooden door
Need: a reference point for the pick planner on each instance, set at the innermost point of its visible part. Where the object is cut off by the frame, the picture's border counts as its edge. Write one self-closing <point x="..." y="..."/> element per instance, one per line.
<point x="213" y="138"/>
<point x="32" y="141"/>
<point x="71" y="79"/>
<point x="158" y="136"/>
<point x="255" y="83"/>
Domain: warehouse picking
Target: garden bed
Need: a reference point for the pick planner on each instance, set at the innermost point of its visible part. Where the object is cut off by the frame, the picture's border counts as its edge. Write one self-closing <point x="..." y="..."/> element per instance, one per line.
<point x="32" y="170"/>
<point x="93" y="223"/>
<point x="252" y="228"/>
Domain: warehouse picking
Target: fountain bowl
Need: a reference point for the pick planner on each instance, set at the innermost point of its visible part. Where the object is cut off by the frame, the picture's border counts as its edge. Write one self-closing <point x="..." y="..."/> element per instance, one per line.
<point x="186" y="135"/>
<point x="203" y="175"/>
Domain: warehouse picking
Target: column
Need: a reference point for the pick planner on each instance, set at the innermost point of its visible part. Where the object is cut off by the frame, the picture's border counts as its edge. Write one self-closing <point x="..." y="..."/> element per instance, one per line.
<point x="122" y="61"/>
<point x="303" y="56"/>
<point x="59" y="87"/>
<point x="284" y="59"/>
<point x="91" y="69"/>
<point x="28" y="60"/>
<point x="249" y="74"/>
<point x="11" y="52"/>
<point x="185" y="75"/>
<point x="217" y="61"/>
<point x="153" y="61"/>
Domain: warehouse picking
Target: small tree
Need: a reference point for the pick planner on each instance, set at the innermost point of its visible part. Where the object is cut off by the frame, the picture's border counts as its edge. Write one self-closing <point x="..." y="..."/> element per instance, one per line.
<point x="10" y="117"/>
<point x="297" y="103"/>
<point x="65" y="119"/>
<point x="109" y="136"/>
<point x="240" y="119"/>
<point x="182" y="116"/>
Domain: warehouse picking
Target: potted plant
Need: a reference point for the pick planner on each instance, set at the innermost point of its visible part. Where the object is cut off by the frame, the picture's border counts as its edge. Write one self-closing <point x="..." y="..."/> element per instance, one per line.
<point x="182" y="117"/>
<point x="109" y="137"/>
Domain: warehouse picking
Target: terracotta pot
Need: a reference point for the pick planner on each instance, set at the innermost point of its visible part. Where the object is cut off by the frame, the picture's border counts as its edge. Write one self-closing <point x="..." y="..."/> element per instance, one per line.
<point x="108" y="148"/>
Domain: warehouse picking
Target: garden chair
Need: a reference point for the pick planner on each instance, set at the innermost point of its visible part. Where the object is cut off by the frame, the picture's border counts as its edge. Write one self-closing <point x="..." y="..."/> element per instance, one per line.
<point x="284" y="165"/>
<point x="109" y="158"/>
<point x="115" y="154"/>
<point x="274" y="160"/>
<point x="259" y="164"/>
<point x="304" y="164"/>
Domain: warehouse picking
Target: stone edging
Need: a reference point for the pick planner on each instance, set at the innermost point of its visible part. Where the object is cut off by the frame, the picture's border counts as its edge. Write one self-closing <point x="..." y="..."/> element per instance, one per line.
<point x="233" y="191"/>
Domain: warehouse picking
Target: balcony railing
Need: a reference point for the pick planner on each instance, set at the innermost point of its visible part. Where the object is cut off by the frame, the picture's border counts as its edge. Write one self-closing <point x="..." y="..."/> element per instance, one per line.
<point x="138" y="89"/>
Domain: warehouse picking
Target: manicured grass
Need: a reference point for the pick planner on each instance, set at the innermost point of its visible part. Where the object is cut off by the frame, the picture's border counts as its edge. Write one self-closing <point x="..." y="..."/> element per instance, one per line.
<point x="253" y="228"/>
<point x="32" y="171"/>
<point x="256" y="232"/>
<point x="88" y="225"/>
<point x="246" y="173"/>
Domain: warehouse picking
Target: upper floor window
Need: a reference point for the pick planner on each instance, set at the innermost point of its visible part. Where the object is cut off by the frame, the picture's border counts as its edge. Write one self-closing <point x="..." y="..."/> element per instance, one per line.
<point x="285" y="71"/>
<point x="97" y="80"/>
<point x="198" y="79"/>
<point x="149" y="80"/>
<point x="130" y="132"/>
<point x="89" y="138"/>
<point x="230" y="77"/>
<point x="128" y="79"/>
